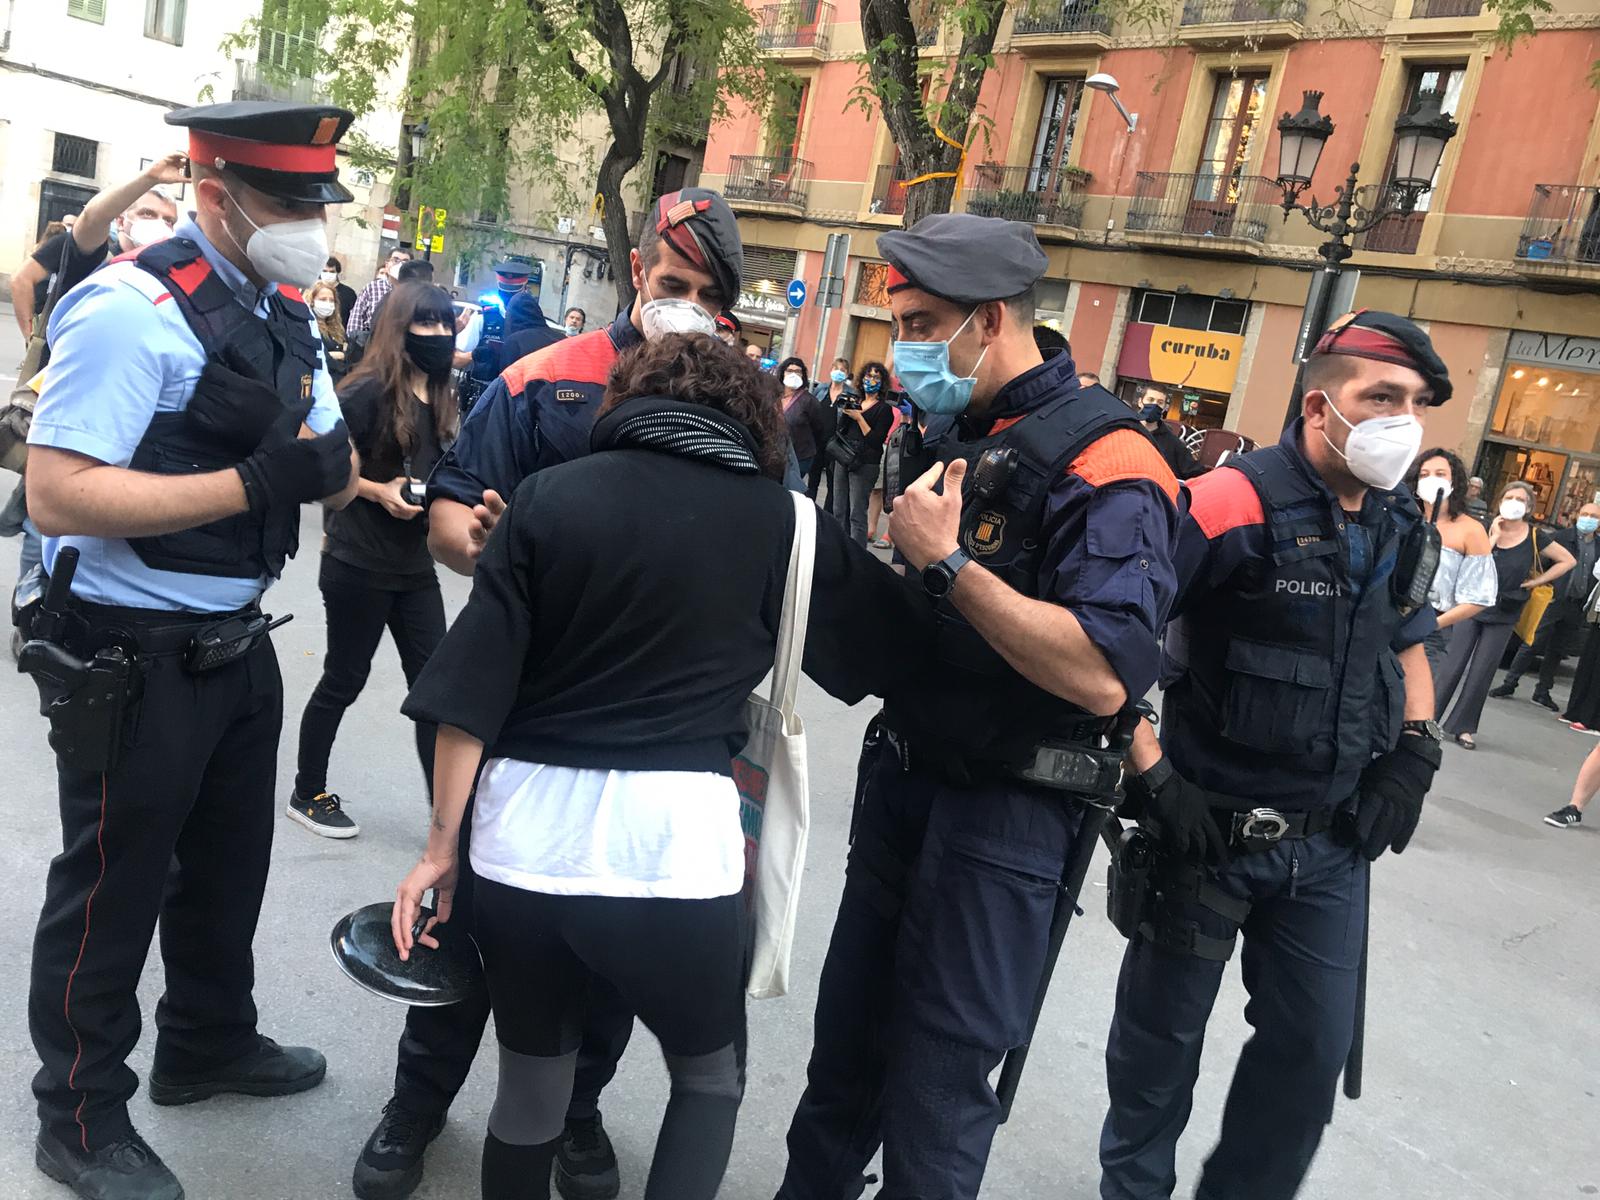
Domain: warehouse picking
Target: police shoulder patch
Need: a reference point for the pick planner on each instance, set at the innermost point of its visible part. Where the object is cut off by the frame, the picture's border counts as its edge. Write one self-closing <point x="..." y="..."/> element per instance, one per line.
<point x="985" y="534"/>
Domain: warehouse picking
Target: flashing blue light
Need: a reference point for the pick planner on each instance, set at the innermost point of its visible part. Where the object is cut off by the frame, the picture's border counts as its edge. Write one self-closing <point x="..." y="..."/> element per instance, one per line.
<point x="493" y="298"/>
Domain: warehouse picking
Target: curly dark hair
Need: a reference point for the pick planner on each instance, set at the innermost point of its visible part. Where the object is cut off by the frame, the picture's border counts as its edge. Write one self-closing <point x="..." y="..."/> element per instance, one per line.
<point x="798" y="364"/>
<point x="1456" y="502"/>
<point x="698" y="369"/>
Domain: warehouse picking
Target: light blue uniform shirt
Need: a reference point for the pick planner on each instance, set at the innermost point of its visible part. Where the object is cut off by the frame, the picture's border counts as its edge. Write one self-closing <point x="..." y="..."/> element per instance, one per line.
<point x="119" y="355"/>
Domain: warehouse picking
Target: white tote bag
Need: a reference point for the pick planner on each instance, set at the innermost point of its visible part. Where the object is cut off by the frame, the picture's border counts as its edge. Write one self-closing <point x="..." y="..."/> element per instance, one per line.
<point x="774" y="804"/>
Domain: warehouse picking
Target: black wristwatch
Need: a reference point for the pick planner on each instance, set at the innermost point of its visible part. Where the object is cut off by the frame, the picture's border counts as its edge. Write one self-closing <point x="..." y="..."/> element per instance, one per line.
<point x="939" y="578"/>
<point x="1428" y="729"/>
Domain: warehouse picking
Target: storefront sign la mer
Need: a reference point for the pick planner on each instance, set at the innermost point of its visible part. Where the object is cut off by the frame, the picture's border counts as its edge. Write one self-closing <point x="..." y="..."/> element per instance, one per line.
<point x="1555" y="350"/>
<point x="1191" y="358"/>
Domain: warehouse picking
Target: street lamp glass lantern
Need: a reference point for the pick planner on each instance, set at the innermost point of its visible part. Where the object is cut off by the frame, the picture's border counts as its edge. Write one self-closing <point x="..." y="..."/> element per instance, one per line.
<point x="419" y="135"/>
<point x="1301" y="138"/>
<point x="1420" y="136"/>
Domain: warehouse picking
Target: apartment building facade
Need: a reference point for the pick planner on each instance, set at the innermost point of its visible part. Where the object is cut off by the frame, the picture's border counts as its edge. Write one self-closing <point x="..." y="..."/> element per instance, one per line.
<point x="1172" y="263"/>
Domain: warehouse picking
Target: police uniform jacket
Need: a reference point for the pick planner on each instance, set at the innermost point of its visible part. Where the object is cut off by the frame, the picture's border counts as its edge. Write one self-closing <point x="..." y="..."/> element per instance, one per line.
<point x="1281" y="672"/>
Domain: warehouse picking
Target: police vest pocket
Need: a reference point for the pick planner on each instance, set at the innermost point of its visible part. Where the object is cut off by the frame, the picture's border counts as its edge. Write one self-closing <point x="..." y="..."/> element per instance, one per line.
<point x="986" y="934"/>
<point x="224" y="543"/>
<point x="1275" y="696"/>
<point x="1391" y="714"/>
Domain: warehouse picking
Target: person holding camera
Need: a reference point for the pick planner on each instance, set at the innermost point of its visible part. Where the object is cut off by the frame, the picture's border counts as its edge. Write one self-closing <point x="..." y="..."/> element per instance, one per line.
<point x="377" y="573"/>
<point x="855" y="451"/>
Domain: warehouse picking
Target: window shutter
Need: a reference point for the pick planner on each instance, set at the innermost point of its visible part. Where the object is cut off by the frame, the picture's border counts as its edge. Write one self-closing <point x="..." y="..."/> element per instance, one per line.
<point x="88" y="10"/>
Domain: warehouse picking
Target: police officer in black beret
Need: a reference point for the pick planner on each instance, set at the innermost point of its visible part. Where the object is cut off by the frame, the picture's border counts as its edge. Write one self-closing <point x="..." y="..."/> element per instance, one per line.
<point x="1297" y="745"/>
<point x="1047" y="561"/>
<point x="171" y="474"/>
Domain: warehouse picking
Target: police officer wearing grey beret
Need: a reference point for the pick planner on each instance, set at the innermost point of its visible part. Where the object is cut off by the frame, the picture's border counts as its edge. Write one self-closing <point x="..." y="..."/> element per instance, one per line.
<point x="1046" y="556"/>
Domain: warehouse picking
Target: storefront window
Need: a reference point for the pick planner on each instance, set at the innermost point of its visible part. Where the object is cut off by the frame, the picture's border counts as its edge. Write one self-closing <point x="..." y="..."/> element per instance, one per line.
<point x="1549" y="406"/>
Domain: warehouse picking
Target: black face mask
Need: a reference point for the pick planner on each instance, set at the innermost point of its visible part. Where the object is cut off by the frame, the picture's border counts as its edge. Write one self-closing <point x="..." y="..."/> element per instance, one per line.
<point x="433" y="353"/>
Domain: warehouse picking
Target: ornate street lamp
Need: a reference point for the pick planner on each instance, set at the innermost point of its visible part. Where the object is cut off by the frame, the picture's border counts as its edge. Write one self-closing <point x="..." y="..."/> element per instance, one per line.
<point x="1420" y="137"/>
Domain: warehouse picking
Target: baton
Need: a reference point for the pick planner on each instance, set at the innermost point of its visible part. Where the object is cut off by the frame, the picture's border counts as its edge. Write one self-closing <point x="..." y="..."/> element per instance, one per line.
<point x="1077" y="870"/>
<point x="1352" y="1064"/>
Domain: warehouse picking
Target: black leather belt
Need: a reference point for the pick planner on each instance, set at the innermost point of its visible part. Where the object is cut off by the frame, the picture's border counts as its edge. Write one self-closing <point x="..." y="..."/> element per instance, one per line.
<point x="155" y="632"/>
<point x="1262" y="828"/>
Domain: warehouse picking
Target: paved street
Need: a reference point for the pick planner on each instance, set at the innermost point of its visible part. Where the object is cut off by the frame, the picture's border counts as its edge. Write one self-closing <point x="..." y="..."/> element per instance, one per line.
<point x="1483" y="1050"/>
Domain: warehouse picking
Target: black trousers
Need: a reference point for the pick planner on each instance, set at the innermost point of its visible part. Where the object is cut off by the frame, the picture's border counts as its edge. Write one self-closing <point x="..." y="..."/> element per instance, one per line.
<point x="1558" y="628"/>
<point x="180" y="832"/>
<point x="357" y="616"/>
<point x="438" y="1045"/>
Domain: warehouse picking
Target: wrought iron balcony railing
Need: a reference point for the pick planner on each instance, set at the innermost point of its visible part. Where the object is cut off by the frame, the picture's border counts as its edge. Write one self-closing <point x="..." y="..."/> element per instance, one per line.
<point x="1241" y="12"/>
<point x="1062" y="16"/>
<point x="1035" y="195"/>
<point x="795" y="25"/>
<point x="1562" y="226"/>
<point x="1202" y="204"/>
<point x="768" y="179"/>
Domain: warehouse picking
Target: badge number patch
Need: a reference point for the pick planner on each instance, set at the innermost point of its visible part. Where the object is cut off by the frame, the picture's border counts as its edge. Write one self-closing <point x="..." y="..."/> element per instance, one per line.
<point x="569" y="396"/>
<point x="984" y="537"/>
<point x="305" y="387"/>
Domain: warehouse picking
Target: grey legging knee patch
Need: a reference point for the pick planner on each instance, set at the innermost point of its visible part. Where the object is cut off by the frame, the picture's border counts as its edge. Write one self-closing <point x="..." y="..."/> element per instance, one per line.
<point x="530" y="1104"/>
<point x="715" y="1074"/>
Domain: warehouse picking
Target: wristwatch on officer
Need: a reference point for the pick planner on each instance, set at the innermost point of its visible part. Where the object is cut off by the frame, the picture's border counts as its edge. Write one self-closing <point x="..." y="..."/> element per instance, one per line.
<point x="1427" y="729"/>
<point x="939" y="579"/>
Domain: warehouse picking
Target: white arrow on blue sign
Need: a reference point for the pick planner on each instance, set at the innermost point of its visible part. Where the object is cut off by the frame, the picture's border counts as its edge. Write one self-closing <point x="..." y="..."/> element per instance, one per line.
<point x="797" y="293"/>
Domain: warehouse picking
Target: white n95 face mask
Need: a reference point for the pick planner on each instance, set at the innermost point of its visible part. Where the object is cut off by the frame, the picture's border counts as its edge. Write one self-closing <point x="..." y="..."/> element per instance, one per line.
<point x="674" y="315"/>
<point x="1433" y="489"/>
<point x="147" y="231"/>
<point x="1513" y="510"/>
<point x="289" y="252"/>
<point x="1380" y="449"/>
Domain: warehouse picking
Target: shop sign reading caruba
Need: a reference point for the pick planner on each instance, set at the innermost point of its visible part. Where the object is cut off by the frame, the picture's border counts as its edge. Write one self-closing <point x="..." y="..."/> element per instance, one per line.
<point x="1189" y="358"/>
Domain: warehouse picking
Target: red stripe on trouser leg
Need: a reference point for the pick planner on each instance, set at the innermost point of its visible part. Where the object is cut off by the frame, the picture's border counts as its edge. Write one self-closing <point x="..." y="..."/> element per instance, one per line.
<point x="66" y="1000"/>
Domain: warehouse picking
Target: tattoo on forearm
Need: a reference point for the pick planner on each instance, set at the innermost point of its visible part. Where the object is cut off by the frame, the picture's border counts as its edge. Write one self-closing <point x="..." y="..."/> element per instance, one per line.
<point x="438" y="822"/>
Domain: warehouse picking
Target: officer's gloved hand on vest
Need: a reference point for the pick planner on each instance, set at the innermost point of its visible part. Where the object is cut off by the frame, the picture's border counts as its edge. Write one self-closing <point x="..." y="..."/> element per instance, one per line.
<point x="1180" y="815"/>
<point x="1389" y="802"/>
<point x="236" y="409"/>
<point x="297" y="471"/>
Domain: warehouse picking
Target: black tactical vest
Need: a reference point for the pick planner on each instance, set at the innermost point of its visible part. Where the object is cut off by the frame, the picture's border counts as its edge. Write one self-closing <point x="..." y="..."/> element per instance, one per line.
<point x="1286" y="678"/>
<point x="990" y="710"/>
<point x="280" y="349"/>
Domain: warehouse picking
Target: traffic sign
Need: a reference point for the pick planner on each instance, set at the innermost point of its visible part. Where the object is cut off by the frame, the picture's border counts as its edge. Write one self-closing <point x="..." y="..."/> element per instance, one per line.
<point x="797" y="293"/>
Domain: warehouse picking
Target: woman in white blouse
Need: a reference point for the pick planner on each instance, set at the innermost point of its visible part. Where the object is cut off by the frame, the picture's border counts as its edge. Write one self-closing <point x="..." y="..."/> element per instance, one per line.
<point x="1465" y="583"/>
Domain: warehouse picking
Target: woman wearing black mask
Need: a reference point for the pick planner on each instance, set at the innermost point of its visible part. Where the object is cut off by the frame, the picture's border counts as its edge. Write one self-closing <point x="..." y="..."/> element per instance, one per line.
<point x="376" y="570"/>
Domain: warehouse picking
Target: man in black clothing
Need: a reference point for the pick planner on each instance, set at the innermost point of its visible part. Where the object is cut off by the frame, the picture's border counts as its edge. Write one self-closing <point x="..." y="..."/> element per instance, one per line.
<point x="67" y="259"/>
<point x="346" y="293"/>
<point x="1169" y="444"/>
<point x="1563" y="620"/>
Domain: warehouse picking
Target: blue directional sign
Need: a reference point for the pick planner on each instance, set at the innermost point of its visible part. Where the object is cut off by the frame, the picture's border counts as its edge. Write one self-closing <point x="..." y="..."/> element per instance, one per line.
<point x="797" y="293"/>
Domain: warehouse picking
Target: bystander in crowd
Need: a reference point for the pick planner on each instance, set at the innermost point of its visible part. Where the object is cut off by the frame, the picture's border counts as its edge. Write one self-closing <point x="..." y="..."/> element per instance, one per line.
<point x="805" y="417"/>
<point x="856" y="449"/>
<point x="1465" y="583"/>
<point x="1563" y="622"/>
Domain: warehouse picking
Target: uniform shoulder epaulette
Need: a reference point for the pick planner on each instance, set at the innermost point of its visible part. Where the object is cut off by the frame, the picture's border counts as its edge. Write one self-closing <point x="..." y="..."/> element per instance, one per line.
<point x="1224" y="499"/>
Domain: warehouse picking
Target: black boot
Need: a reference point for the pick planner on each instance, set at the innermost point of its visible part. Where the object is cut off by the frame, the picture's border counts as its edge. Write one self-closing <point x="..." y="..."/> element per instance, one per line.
<point x="268" y="1070"/>
<point x="127" y="1169"/>
<point x="1508" y="687"/>
<point x="586" y="1165"/>
<point x="390" y="1166"/>
<point x="1543" y="700"/>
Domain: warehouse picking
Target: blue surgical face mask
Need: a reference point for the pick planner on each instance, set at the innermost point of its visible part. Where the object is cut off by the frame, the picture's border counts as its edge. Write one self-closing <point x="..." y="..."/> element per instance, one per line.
<point x="838" y="376"/>
<point x="1588" y="524"/>
<point x="924" y="371"/>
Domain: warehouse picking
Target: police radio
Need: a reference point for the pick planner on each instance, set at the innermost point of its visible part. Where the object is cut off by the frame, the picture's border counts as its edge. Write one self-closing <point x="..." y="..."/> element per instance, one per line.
<point x="1414" y="568"/>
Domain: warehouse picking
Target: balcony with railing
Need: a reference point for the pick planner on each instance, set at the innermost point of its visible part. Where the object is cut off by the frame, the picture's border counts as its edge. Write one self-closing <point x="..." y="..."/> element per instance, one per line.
<point x="768" y="180"/>
<point x="889" y="192"/>
<point x="1051" y="197"/>
<point x="1561" y="234"/>
<point x="1046" y="24"/>
<point x="1446" y="8"/>
<point x="798" y="29"/>
<point x="1257" y="21"/>
<point x="259" y="81"/>
<point x="1197" y="208"/>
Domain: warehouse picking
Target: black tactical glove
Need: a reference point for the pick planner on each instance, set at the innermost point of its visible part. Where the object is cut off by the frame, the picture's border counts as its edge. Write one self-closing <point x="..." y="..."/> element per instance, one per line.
<point x="237" y="409"/>
<point x="1178" y="812"/>
<point x="297" y="471"/>
<point x="1390" y="800"/>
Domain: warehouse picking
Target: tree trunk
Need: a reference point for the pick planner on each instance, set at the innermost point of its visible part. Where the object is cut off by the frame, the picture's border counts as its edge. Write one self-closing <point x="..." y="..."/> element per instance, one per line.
<point x="893" y="74"/>
<point x="613" y="168"/>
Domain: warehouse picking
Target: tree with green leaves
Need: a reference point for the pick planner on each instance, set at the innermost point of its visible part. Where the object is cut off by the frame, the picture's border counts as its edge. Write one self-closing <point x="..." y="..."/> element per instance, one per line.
<point x="506" y="85"/>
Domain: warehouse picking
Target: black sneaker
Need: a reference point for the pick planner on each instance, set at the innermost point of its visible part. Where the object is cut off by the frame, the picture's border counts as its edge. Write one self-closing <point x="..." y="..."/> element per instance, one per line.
<point x="1542" y="699"/>
<point x="127" y="1169"/>
<point x="268" y="1070"/>
<point x="1503" y="691"/>
<point x="323" y="814"/>
<point x="390" y="1166"/>
<point x="1569" y="817"/>
<point x="586" y="1165"/>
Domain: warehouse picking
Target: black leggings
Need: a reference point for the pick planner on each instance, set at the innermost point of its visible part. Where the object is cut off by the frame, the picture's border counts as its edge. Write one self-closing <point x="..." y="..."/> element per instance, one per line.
<point x="357" y="616"/>
<point x="680" y="966"/>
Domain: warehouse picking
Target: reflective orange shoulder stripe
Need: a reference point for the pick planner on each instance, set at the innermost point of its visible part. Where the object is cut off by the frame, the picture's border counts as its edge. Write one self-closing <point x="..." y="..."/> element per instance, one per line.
<point x="1125" y="454"/>
<point x="1224" y="499"/>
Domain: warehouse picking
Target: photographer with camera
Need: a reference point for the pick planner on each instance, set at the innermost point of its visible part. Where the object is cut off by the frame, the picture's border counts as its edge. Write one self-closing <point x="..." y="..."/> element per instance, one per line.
<point x="376" y="570"/>
<point x="855" y="452"/>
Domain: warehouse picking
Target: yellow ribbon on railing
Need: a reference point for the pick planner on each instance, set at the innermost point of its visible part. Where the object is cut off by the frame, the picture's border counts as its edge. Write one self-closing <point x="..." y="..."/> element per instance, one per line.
<point x="956" y="174"/>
